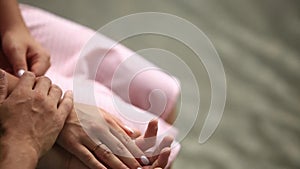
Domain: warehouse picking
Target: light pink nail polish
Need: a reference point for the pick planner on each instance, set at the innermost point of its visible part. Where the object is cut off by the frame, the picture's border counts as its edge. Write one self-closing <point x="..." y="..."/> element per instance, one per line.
<point x="144" y="160"/>
<point x="129" y="129"/>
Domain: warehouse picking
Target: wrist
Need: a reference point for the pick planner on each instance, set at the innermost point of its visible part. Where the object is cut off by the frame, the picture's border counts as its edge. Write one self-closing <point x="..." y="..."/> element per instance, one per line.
<point x="17" y="154"/>
<point x="14" y="29"/>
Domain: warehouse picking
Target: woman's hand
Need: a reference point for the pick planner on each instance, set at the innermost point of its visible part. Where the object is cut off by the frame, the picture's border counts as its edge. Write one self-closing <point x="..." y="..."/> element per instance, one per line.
<point x="61" y="159"/>
<point x="23" y="52"/>
<point x="160" y="156"/>
<point x="93" y="140"/>
<point x="19" y="47"/>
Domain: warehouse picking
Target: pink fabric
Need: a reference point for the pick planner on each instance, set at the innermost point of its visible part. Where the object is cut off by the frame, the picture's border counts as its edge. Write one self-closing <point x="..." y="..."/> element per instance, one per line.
<point x="65" y="40"/>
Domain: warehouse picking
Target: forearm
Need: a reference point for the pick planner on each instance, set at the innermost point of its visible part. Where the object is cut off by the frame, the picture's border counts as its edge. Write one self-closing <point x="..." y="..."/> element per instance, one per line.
<point x="10" y="16"/>
<point x="16" y="154"/>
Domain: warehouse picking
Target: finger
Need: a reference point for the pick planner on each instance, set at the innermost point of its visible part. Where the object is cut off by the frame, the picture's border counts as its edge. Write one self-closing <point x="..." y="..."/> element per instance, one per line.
<point x="105" y="155"/>
<point x="17" y="58"/>
<point x="163" y="158"/>
<point x="119" y="150"/>
<point x="165" y="143"/>
<point x="129" y="131"/>
<point x="39" y="63"/>
<point x="88" y="158"/>
<point x="3" y="85"/>
<point x="136" y="134"/>
<point x="149" y="139"/>
<point x="133" y="133"/>
<point x="66" y="105"/>
<point x="117" y="124"/>
<point x="42" y="85"/>
<point x="131" y="146"/>
<point x="151" y="129"/>
<point x="55" y="94"/>
<point x="26" y="82"/>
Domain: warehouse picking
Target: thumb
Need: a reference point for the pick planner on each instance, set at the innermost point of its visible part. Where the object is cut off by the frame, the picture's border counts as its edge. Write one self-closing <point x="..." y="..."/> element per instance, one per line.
<point x="17" y="59"/>
<point x="3" y="85"/>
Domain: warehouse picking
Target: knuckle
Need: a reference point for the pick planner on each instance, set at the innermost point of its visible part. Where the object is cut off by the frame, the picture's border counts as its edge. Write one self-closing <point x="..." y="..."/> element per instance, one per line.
<point x="126" y="139"/>
<point x="120" y="149"/>
<point x="38" y="96"/>
<point x="28" y="74"/>
<point x="66" y="140"/>
<point x="44" y="78"/>
<point x="56" y="88"/>
<point x="13" y="47"/>
<point x="106" y="155"/>
<point x="96" y="127"/>
<point x="87" y="157"/>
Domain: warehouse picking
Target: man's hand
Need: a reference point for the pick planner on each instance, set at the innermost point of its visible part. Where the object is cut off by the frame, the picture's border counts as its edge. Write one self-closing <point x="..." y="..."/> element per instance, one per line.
<point x="31" y="118"/>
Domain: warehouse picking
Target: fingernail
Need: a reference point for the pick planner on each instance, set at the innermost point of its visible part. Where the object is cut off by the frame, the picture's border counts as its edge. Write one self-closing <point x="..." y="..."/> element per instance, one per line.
<point x="139" y="168"/>
<point x="20" y="72"/>
<point x="144" y="160"/>
<point x="130" y="129"/>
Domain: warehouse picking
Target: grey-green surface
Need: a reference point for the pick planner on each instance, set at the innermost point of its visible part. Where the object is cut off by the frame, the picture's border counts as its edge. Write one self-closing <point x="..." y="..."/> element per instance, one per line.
<point x="259" y="44"/>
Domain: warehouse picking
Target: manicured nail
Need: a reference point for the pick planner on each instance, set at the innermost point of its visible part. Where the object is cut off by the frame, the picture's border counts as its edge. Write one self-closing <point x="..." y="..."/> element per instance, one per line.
<point x="20" y="72"/>
<point x="144" y="160"/>
<point x="139" y="168"/>
<point x="129" y="129"/>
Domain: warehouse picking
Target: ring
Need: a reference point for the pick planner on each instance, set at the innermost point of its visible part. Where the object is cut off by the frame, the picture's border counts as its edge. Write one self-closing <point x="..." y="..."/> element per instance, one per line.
<point x="96" y="147"/>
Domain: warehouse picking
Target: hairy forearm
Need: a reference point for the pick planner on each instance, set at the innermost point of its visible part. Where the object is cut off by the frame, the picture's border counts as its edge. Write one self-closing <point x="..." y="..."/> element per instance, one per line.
<point x="10" y="16"/>
<point x="15" y="154"/>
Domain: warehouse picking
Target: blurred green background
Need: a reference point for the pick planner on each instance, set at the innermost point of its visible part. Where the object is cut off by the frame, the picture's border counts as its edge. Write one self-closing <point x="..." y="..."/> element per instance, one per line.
<point x="259" y="44"/>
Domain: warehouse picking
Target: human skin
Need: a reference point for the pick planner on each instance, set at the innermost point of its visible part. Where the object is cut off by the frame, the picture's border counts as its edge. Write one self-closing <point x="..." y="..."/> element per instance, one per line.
<point x="21" y="51"/>
<point x="61" y="159"/>
<point x="25" y="134"/>
<point x="74" y="139"/>
<point x="19" y="47"/>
